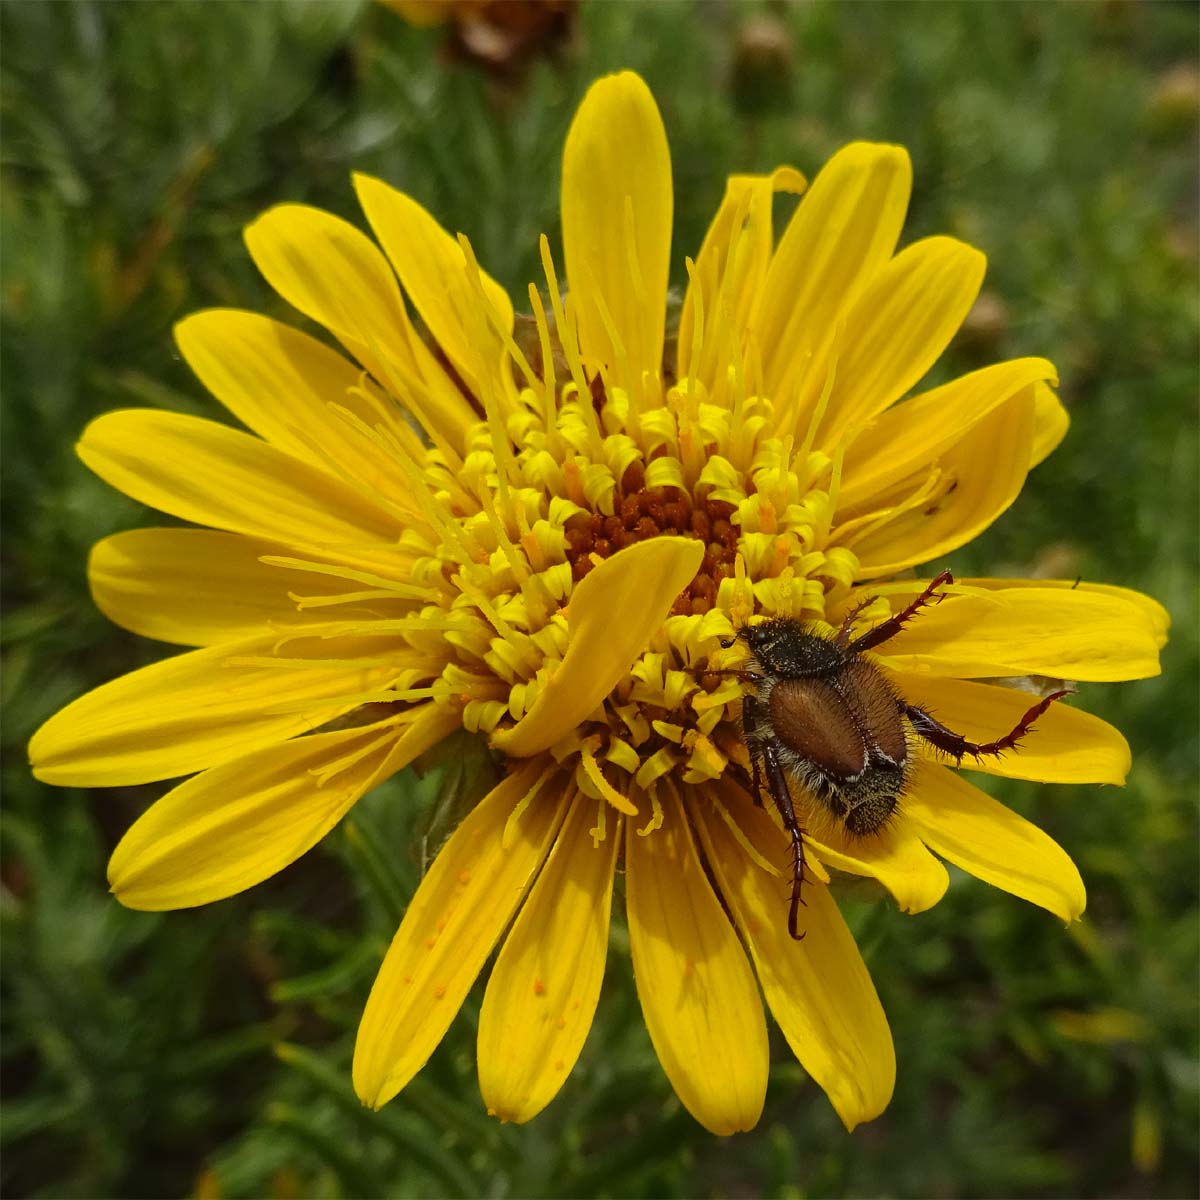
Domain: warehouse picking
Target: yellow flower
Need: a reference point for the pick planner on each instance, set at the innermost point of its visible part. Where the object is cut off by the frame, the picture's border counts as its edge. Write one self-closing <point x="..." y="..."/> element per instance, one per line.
<point x="540" y="531"/>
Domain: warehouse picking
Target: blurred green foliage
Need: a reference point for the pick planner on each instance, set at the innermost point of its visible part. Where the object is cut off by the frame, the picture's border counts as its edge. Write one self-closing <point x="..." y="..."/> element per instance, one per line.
<point x="207" y="1052"/>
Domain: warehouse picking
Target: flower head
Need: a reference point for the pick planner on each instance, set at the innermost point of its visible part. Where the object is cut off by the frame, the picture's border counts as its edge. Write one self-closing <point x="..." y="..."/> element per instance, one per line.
<point x="540" y="530"/>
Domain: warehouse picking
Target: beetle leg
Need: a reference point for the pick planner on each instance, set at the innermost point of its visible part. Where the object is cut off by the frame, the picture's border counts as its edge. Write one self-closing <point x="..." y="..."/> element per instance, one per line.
<point x="736" y="672"/>
<point x="783" y="801"/>
<point x="750" y="707"/>
<point x="955" y="745"/>
<point x="888" y="629"/>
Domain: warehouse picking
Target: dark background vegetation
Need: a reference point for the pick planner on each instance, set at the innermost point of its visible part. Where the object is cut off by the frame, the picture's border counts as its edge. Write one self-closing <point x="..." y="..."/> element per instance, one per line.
<point x="207" y="1052"/>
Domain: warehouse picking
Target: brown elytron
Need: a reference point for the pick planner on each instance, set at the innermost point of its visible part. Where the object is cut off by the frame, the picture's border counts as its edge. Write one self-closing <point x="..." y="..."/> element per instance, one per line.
<point x="825" y="717"/>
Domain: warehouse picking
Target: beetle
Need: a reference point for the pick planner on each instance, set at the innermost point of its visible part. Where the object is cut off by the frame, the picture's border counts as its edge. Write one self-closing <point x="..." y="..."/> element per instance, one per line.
<point x="825" y="716"/>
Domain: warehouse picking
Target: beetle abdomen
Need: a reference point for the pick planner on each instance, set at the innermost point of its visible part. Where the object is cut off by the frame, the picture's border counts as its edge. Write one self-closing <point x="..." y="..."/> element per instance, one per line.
<point x="874" y="799"/>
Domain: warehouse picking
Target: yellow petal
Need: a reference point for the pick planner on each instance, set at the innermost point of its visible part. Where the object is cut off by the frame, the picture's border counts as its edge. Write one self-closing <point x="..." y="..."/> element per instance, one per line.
<point x="920" y="430"/>
<point x="898" y="329"/>
<point x="1066" y="744"/>
<point x="458" y="914"/>
<point x="697" y="990"/>
<point x="194" y="711"/>
<point x="616" y="227"/>
<point x="975" y="832"/>
<point x="285" y="385"/>
<point x="1080" y="634"/>
<point x="335" y="274"/>
<point x="614" y="611"/>
<point x="1153" y="614"/>
<point x="894" y="855"/>
<point x="196" y="587"/>
<point x="730" y="269"/>
<point x="983" y="474"/>
<point x="236" y="825"/>
<point x="206" y="473"/>
<point x="1050" y="423"/>
<point x="542" y="995"/>
<point x="433" y="271"/>
<point x="273" y="378"/>
<point x="818" y="990"/>
<point x="843" y="233"/>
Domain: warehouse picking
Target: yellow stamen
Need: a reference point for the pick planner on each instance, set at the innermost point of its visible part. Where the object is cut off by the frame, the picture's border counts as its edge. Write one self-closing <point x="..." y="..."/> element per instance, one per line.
<point x="822" y="403"/>
<point x="510" y="826"/>
<point x="305" y="602"/>
<point x="851" y="532"/>
<point x="658" y="764"/>
<point x="549" y="381"/>
<point x="493" y="317"/>
<point x="591" y="769"/>
<point x="739" y="834"/>
<point x="600" y="830"/>
<point x="697" y="294"/>
<point x="405" y="383"/>
<point x="566" y="334"/>
<point x="493" y="404"/>
<point x="345" y="762"/>
<point x="656" y="811"/>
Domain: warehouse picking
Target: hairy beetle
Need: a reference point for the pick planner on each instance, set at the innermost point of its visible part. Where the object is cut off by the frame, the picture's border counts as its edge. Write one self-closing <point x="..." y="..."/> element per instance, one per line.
<point x="824" y="716"/>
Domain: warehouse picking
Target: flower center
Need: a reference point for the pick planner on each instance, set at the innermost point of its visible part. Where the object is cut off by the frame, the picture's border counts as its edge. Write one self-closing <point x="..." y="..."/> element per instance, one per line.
<point x="645" y="512"/>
